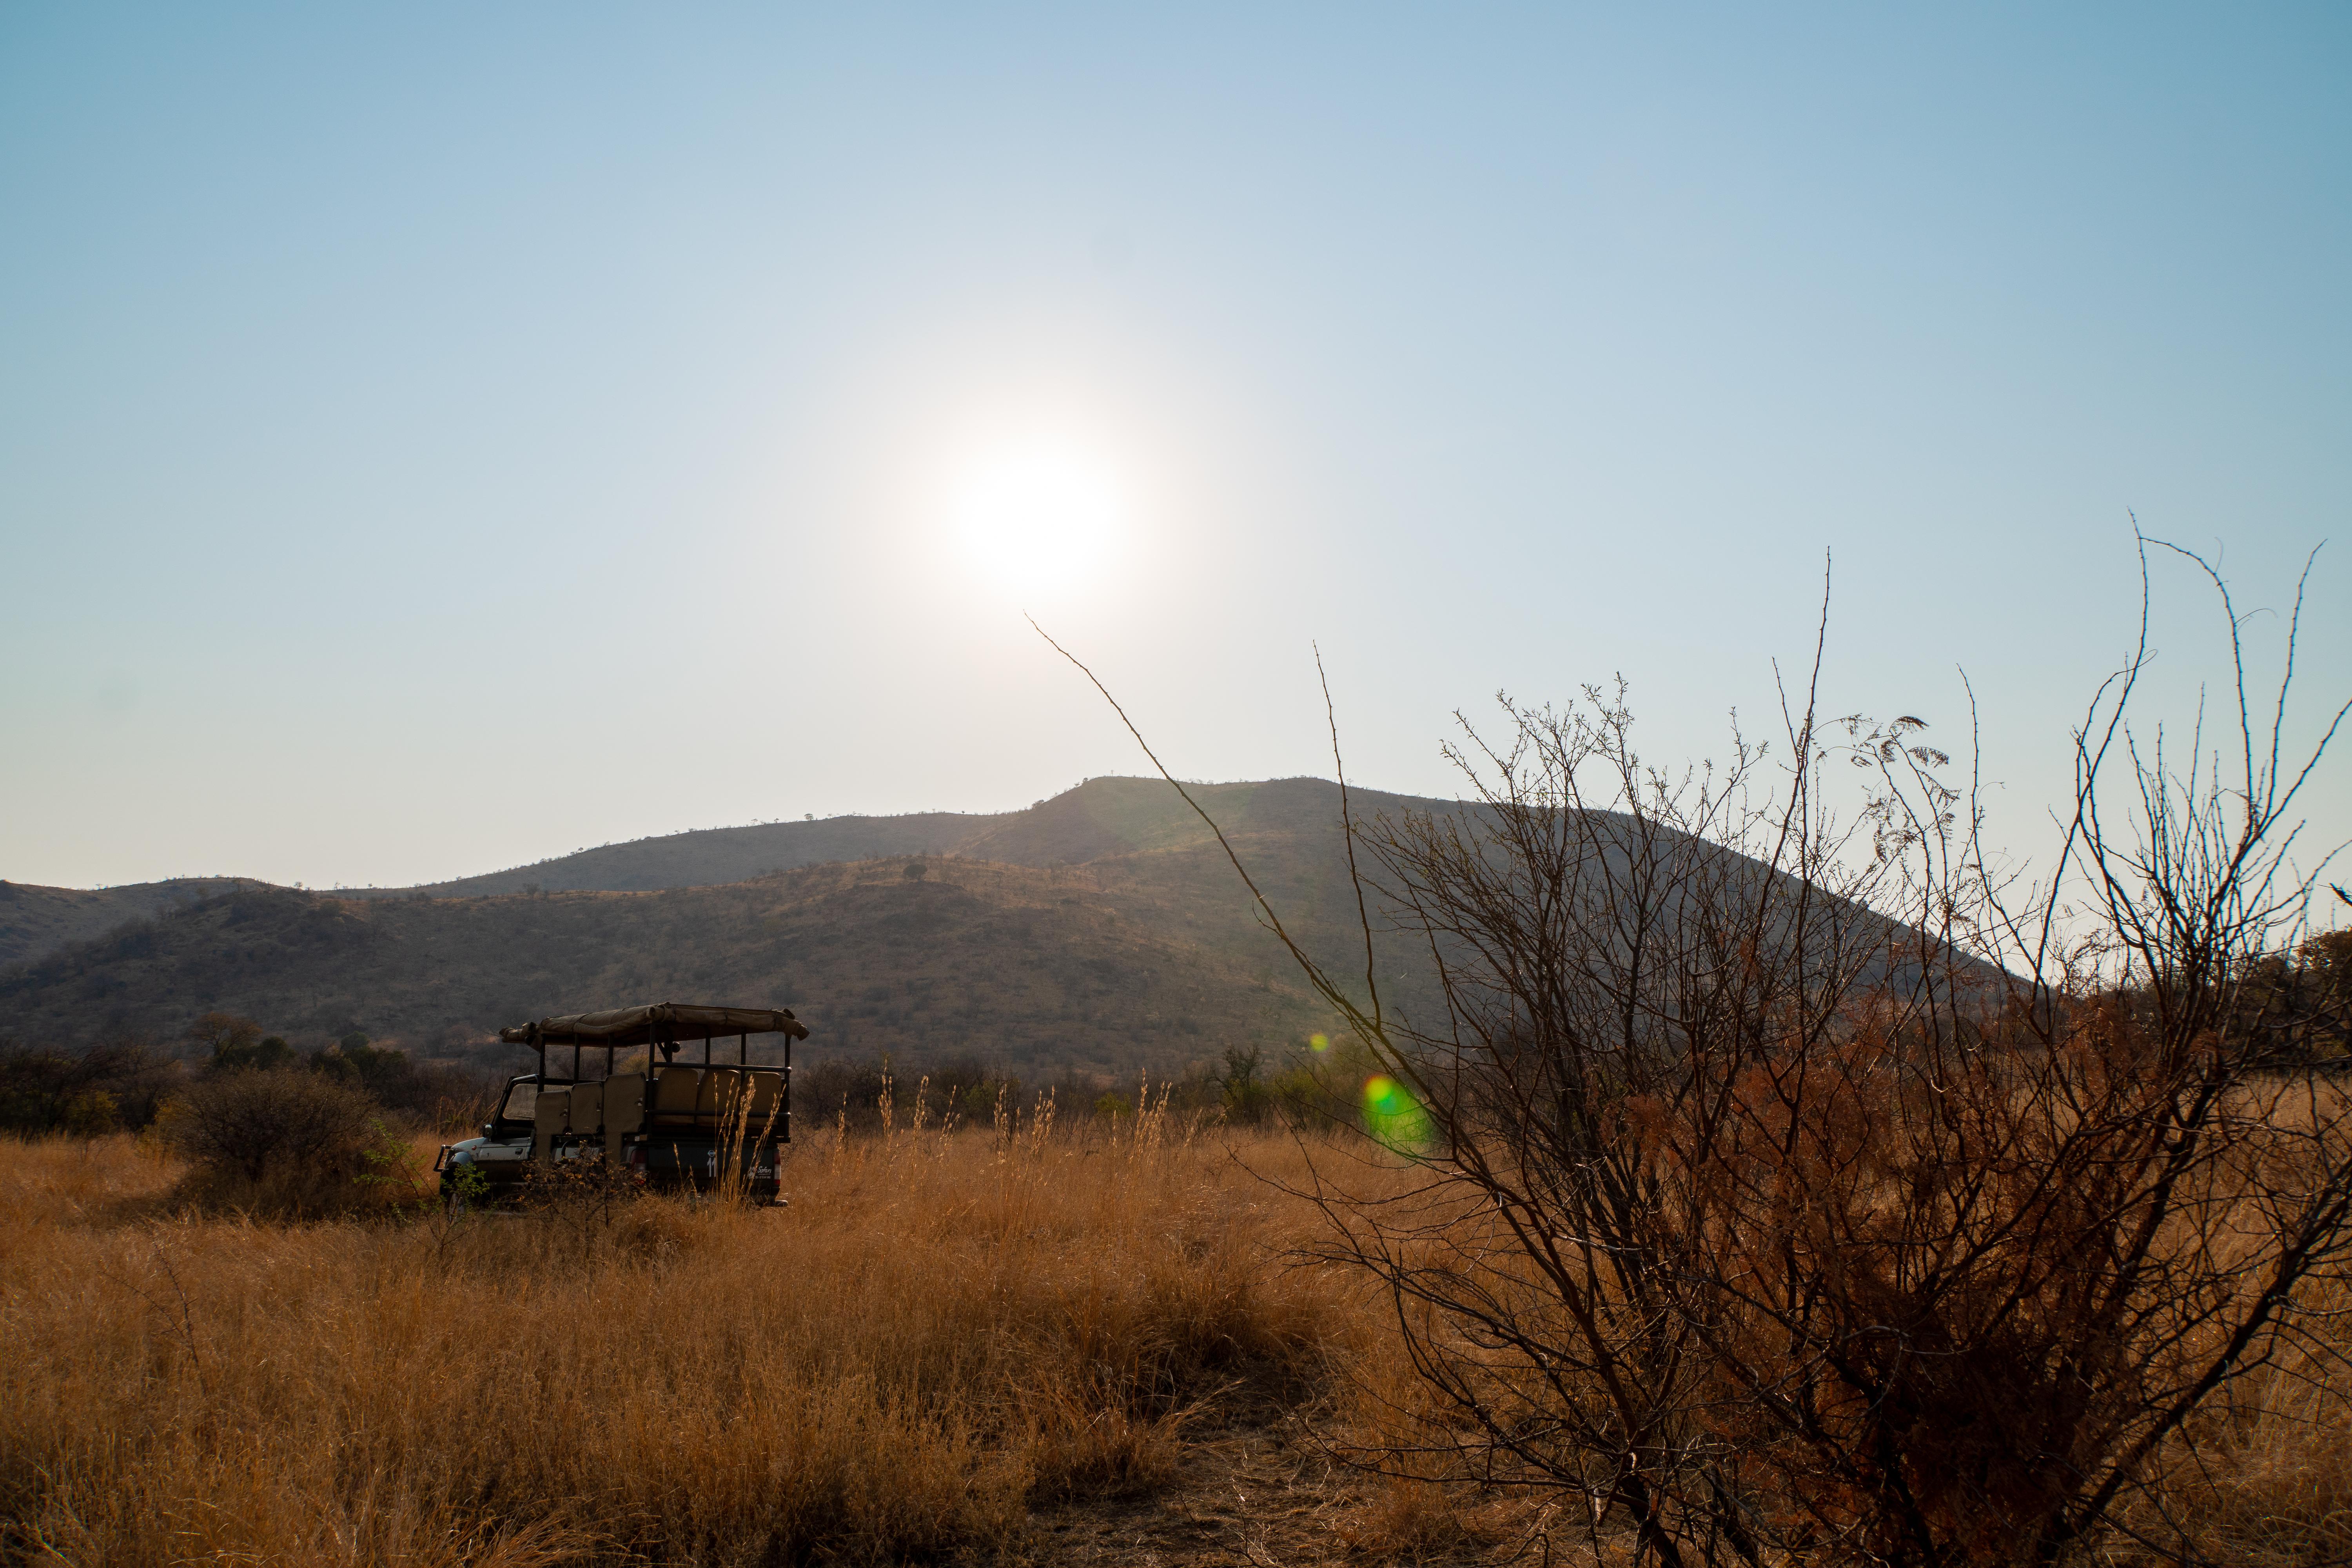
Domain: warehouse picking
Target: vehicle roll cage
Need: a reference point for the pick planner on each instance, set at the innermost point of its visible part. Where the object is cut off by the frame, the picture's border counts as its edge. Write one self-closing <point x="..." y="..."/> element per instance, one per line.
<point x="664" y="1025"/>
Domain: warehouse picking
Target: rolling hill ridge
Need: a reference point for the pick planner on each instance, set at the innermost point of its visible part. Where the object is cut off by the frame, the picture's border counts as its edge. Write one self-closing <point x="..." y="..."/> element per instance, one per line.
<point x="1099" y="930"/>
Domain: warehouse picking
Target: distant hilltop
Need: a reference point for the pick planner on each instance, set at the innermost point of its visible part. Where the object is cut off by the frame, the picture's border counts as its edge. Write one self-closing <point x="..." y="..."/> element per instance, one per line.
<point x="1100" y="930"/>
<point x="1103" y="817"/>
<point x="35" y="922"/>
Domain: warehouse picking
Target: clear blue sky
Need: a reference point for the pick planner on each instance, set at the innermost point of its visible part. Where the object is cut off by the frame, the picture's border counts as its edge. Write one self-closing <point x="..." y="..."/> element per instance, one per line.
<point x="408" y="413"/>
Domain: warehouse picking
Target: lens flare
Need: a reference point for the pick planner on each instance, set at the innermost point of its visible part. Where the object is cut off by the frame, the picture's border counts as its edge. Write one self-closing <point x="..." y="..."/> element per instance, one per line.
<point x="1319" y="1042"/>
<point x="1393" y="1116"/>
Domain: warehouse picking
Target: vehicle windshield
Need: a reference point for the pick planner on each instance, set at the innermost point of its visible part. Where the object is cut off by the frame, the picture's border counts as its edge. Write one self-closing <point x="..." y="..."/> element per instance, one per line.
<point x="522" y="1098"/>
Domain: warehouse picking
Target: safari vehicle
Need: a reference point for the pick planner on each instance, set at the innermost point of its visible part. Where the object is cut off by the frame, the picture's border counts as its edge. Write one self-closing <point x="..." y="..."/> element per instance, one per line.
<point x="669" y="1124"/>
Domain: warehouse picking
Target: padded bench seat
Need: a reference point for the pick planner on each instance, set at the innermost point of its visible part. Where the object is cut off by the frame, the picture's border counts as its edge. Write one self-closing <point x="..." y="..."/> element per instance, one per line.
<point x="707" y="1097"/>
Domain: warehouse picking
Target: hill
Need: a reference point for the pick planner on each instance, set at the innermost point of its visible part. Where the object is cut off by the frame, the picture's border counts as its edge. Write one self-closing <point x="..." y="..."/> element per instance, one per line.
<point x="1044" y="970"/>
<point x="36" y="920"/>
<point x="1102" y="816"/>
<point x="712" y="857"/>
<point x="1100" y="931"/>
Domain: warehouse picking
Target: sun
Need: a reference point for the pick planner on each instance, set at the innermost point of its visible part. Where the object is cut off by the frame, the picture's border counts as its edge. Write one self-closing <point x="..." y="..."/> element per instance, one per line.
<point x="1041" y="513"/>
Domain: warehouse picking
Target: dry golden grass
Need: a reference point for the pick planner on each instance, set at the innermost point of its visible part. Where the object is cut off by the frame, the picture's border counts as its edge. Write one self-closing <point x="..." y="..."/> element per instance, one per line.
<point x="2270" y="1482"/>
<point x="933" y="1337"/>
<point x="941" y="1348"/>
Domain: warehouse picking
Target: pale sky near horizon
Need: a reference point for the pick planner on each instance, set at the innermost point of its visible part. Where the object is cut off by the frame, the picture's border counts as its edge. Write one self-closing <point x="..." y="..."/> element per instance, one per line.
<point x="433" y="438"/>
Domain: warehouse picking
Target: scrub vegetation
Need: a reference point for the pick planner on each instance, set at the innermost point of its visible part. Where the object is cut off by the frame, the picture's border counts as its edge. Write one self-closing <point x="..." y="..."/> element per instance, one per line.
<point x="1010" y="1343"/>
<point x="1775" y="1229"/>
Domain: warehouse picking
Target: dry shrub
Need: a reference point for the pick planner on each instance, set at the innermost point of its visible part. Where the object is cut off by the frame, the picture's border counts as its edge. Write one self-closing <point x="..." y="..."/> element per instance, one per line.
<point x="272" y="1142"/>
<point x="1798" y="1182"/>
<point x="937" y="1331"/>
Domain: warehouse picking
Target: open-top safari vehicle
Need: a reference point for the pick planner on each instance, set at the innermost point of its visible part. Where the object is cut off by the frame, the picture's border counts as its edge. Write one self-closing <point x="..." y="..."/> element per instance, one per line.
<point x="666" y="1123"/>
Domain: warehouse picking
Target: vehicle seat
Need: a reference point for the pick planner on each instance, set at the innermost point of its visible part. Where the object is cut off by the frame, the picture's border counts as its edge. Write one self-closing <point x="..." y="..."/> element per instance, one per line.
<point x="765" y="1089"/>
<point x="624" y="1110"/>
<point x="587" y="1108"/>
<point x="675" y="1093"/>
<point x="549" y="1113"/>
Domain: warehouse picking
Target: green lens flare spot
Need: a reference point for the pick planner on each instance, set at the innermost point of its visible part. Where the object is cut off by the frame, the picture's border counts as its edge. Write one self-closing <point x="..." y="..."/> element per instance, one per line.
<point x="1319" y="1042"/>
<point x="1394" y="1117"/>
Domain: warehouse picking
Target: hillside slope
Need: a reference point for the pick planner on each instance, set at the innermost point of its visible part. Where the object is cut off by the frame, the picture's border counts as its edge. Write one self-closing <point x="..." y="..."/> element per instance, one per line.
<point x="712" y="857"/>
<point x="1102" y="816"/>
<point x="1101" y="929"/>
<point x="36" y="920"/>
<point x="1044" y="970"/>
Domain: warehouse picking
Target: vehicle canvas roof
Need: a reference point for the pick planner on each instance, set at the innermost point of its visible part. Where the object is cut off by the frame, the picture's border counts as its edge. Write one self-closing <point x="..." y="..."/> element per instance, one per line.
<point x="662" y="1023"/>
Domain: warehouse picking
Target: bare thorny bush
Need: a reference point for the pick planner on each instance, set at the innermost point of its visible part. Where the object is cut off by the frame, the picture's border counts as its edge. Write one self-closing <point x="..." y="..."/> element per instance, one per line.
<point x="1803" y="1186"/>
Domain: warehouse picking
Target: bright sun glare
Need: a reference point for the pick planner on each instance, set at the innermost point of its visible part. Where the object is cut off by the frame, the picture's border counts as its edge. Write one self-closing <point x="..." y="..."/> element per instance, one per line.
<point x="1039" y="514"/>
